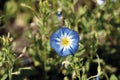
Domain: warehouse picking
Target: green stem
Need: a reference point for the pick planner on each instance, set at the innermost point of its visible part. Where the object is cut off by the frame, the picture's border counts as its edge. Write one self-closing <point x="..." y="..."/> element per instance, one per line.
<point x="10" y="72"/>
<point x="92" y="77"/>
<point x="105" y="76"/>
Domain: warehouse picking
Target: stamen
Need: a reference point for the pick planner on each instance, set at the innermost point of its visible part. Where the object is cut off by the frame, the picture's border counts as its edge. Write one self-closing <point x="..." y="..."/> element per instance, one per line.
<point x="65" y="42"/>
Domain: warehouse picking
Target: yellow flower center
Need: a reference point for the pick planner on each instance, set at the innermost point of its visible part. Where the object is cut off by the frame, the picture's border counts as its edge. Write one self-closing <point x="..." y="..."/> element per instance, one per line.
<point x="65" y="42"/>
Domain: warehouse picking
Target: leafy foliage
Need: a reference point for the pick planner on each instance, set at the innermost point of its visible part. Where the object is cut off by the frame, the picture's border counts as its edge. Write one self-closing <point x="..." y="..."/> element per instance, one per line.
<point x="34" y="21"/>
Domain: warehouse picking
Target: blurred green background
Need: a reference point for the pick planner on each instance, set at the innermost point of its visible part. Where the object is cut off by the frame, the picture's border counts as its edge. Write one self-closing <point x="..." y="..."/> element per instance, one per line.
<point x="26" y="27"/>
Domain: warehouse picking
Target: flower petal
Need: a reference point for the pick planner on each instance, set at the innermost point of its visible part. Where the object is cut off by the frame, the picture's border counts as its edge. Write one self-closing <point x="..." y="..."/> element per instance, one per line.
<point x="65" y="30"/>
<point x="74" y="48"/>
<point x="64" y="52"/>
<point x="74" y="35"/>
<point x="55" y="46"/>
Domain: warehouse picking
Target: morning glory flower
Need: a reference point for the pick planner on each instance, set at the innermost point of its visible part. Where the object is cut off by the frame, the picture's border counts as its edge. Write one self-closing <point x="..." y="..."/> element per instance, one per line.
<point x="65" y="41"/>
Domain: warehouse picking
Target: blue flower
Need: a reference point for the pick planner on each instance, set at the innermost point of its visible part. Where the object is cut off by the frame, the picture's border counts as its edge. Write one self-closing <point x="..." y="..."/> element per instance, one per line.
<point x="65" y="41"/>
